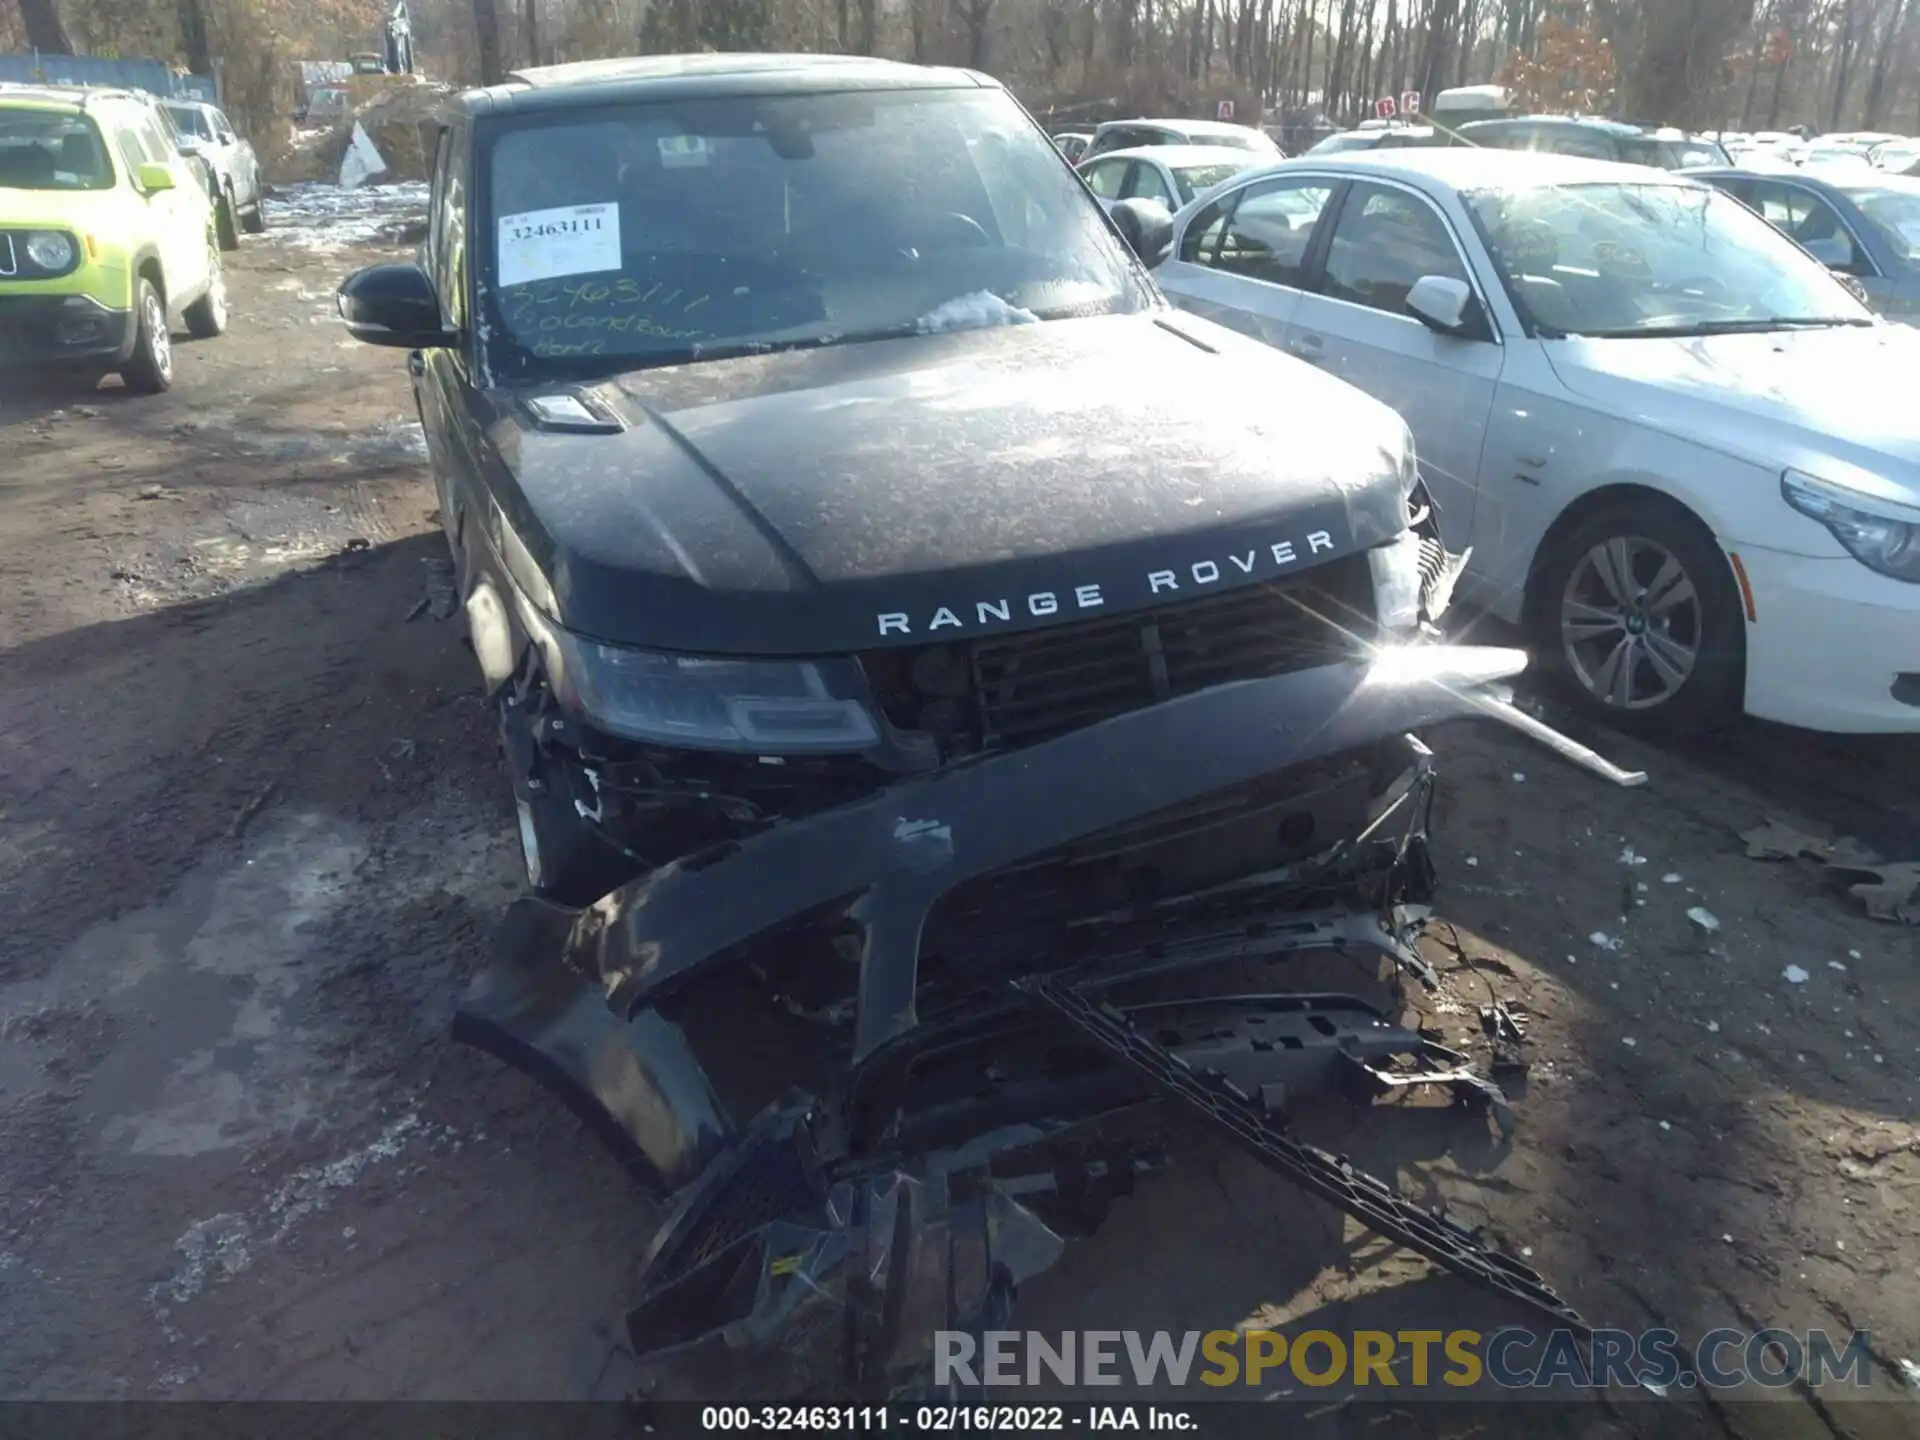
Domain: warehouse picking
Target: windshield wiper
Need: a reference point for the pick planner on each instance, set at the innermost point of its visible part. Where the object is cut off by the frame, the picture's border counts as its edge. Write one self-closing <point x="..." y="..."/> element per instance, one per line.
<point x="1757" y="326"/>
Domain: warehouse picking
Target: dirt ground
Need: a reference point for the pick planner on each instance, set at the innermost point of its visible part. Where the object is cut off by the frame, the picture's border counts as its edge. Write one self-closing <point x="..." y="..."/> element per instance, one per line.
<point x="254" y="840"/>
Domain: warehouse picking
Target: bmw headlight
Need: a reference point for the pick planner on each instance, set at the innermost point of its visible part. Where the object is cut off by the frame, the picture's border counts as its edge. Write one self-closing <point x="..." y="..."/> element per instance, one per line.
<point x="50" y="250"/>
<point x="1880" y="534"/>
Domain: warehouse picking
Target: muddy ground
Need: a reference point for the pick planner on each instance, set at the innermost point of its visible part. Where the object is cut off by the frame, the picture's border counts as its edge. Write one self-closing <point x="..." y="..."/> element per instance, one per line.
<point x="254" y="839"/>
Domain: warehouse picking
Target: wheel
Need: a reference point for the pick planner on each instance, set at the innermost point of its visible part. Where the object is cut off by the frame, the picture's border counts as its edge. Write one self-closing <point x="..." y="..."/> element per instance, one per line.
<point x="150" y="369"/>
<point x="565" y="859"/>
<point x="223" y="221"/>
<point x="253" y="219"/>
<point x="1638" y="615"/>
<point x="207" y="316"/>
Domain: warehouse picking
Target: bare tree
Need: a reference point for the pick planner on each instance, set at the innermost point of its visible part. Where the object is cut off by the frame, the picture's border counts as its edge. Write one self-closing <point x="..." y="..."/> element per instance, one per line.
<point x="45" y="33"/>
<point x="976" y="15"/>
<point x="486" y="30"/>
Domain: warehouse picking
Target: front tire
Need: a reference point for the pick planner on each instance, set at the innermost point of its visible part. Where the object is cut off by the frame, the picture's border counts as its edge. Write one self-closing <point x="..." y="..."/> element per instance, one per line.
<point x="149" y="371"/>
<point x="223" y="220"/>
<point x="207" y="316"/>
<point x="1638" y="617"/>
<point x="564" y="858"/>
<point x="253" y="219"/>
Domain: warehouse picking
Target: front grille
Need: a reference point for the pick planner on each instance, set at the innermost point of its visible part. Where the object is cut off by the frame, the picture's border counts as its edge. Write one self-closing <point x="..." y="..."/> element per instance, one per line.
<point x="1024" y="688"/>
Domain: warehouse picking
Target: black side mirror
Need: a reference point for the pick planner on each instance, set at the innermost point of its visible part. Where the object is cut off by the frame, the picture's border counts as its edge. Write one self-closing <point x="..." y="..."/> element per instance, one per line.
<point x="1146" y="225"/>
<point x="394" y="305"/>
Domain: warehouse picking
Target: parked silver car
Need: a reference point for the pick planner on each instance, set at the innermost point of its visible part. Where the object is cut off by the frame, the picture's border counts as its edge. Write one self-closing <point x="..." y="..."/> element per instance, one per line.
<point x="233" y="171"/>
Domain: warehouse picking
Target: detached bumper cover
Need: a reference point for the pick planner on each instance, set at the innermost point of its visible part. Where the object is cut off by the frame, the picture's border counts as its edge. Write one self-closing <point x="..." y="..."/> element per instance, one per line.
<point x="883" y="862"/>
<point x="825" y="1240"/>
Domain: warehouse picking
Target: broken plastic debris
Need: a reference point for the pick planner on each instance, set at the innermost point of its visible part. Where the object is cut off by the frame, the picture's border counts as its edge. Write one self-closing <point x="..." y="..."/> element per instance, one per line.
<point x="1672" y="877"/>
<point x="1518" y="777"/>
<point x="1727" y="1238"/>
<point x="1836" y="965"/>
<point x="1853" y="954"/>
<point x="1713" y="1027"/>
<point x="1605" y="941"/>
<point x="1628" y="1041"/>
<point x="1909" y="1372"/>
<point x="1893" y="894"/>
<point x="1473" y="860"/>
<point x="1704" y="918"/>
<point x="1627" y="857"/>
<point x="1794" y="975"/>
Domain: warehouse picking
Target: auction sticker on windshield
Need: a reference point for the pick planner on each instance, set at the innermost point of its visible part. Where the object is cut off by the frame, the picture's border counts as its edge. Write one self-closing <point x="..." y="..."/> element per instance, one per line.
<point x="547" y="244"/>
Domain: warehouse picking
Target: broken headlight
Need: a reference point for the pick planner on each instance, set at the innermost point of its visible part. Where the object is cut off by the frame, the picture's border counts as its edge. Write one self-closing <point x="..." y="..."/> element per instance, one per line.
<point x="1880" y="534"/>
<point x="761" y="706"/>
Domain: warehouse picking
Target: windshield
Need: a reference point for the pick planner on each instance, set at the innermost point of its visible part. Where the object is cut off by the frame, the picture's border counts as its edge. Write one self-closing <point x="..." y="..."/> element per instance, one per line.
<point x="49" y="150"/>
<point x="1894" y="213"/>
<point x="1611" y="259"/>
<point x="661" y="233"/>
<point x="1351" y="140"/>
<point x="1672" y="154"/>
<point x="1192" y="179"/>
<point x="188" y="123"/>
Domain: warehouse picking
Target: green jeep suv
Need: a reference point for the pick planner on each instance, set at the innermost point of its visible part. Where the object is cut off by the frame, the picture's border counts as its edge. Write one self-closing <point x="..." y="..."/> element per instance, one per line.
<point x="106" y="234"/>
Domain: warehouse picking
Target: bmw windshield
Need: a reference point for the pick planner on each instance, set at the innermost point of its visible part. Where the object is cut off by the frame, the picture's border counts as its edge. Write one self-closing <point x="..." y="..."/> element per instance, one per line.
<point x="656" y="234"/>
<point x="1636" y="261"/>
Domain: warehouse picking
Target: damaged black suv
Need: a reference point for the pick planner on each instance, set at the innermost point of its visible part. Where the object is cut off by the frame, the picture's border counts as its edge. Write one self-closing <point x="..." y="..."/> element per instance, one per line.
<point x="910" y="637"/>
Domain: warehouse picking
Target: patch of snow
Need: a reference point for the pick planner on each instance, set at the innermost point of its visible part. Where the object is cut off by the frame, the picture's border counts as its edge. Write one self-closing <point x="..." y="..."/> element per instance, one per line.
<point x="1670" y="878"/>
<point x="1704" y="918"/>
<point x="211" y="1250"/>
<point x="1794" y="975"/>
<point x="979" y="311"/>
<point x="311" y="1188"/>
<point x="326" y="217"/>
<point x="1604" y="941"/>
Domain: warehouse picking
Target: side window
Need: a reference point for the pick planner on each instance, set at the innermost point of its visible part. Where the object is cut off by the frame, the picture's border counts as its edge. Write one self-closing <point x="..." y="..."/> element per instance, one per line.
<point x="1571" y="141"/>
<point x="159" y="144"/>
<point x="1202" y="240"/>
<point x="448" y="227"/>
<point x="1148" y="184"/>
<point x="1267" y="235"/>
<point x="1806" y="218"/>
<point x="1104" y="177"/>
<point x="133" y="151"/>
<point x="222" y="131"/>
<point x="1384" y="240"/>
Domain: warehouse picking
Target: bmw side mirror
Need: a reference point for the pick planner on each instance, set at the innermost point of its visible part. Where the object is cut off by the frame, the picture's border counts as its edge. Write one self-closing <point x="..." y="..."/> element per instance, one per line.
<point x="1444" y="304"/>
<point x="1146" y="225"/>
<point x="394" y="305"/>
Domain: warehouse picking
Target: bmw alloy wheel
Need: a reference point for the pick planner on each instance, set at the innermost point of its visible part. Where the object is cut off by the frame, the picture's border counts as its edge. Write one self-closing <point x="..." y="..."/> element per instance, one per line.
<point x="1630" y="623"/>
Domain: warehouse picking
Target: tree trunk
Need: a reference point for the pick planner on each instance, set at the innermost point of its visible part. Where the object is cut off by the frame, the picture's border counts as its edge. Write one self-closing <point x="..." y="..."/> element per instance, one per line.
<point x="45" y="33"/>
<point x="530" y="32"/>
<point x="1678" y="51"/>
<point x="976" y="14"/>
<point x="486" y="33"/>
<point x="869" y="26"/>
<point x="1843" y="64"/>
<point x="1891" y="43"/>
<point x="1762" y="32"/>
<point x="193" y="38"/>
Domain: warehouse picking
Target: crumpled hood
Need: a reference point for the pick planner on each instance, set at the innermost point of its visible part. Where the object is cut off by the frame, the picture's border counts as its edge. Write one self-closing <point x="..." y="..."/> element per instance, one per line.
<point x="1838" y="403"/>
<point x="945" y="486"/>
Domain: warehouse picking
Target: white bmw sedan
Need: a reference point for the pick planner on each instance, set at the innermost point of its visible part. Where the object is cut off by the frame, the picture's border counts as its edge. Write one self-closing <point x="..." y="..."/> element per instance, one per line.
<point x="1682" y="453"/>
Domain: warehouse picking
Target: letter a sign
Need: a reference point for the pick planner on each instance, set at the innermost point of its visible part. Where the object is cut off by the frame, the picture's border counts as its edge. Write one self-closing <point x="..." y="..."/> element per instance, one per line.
<point x="1410" y="103"/>
<point x="1384" y="107"/>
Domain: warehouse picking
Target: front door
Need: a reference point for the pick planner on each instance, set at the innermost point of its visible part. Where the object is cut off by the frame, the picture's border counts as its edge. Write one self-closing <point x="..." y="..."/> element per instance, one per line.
<point x="1356" y="325"/>
<point x="1242" y="259"/>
